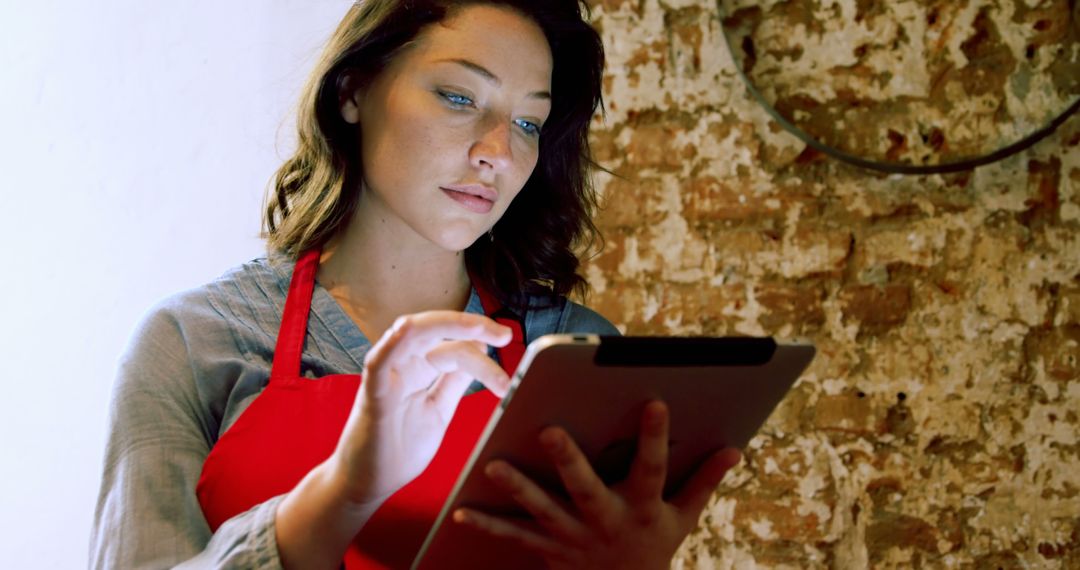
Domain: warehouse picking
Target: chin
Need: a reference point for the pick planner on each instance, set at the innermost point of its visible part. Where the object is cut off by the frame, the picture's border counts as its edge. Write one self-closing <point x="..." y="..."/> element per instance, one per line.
<point x="458" y="240"/>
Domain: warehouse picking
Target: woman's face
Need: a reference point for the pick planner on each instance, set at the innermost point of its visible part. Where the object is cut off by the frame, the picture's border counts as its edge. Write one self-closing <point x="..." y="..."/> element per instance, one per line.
<point x="450" y="129"/>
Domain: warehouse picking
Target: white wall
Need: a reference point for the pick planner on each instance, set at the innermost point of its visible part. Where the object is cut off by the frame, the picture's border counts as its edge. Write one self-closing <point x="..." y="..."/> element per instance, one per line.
<point x="137" y="140"/>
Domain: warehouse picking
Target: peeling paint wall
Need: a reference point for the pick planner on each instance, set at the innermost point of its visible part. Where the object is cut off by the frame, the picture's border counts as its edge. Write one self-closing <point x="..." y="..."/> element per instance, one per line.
<point x="938" y="426"/>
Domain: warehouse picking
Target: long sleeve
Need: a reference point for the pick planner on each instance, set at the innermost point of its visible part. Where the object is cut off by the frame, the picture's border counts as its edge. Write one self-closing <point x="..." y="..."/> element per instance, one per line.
<point x="160" y="433"/>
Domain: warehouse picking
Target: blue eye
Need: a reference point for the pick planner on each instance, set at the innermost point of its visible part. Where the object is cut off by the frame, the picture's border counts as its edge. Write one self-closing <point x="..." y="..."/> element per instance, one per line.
<point x="530" y="128"/>
<point x="455" y="99"/>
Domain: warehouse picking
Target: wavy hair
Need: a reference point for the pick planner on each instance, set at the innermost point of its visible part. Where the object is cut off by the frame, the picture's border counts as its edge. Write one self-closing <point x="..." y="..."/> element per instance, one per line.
<point x="533" y="251"/>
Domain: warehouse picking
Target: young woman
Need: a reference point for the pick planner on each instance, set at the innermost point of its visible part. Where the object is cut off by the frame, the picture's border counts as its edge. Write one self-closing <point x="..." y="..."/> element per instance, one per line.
<point x="439" y="188"/>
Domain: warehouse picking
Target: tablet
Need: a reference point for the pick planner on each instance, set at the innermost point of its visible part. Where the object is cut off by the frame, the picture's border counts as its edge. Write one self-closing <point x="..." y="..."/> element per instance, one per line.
<point x="719" y="392"/>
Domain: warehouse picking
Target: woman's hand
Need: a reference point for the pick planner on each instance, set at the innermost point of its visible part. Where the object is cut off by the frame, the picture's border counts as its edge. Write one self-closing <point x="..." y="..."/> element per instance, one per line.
<point x="414" y="377"/>
<point x="628" y="525"/>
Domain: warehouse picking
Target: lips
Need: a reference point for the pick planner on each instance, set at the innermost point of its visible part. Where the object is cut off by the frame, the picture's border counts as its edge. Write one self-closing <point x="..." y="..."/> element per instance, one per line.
<point x="473" y="197"/>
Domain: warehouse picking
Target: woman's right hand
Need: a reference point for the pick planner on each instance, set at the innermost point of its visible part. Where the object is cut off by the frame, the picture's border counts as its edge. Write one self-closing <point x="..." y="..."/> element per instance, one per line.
<point x="414" y="377"/>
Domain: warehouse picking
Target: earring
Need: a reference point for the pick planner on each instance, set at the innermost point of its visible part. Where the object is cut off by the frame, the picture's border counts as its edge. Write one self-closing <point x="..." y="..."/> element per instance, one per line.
<point x="491" y="235"/>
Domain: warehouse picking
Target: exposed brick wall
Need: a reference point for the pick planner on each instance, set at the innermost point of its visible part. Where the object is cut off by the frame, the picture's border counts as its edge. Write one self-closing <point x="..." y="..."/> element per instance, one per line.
<point x="938" y="426"/>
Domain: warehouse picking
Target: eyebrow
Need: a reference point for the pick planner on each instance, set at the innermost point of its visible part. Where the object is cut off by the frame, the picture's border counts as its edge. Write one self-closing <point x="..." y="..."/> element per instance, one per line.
<point x="491" y="77"/>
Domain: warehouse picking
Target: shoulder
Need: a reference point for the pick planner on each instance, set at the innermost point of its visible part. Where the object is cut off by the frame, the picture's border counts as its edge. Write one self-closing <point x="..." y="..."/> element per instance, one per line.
<point x="226" y="315"/>
<point x="245" y="300"/>
<point x="579" y="318"/>
<point x="194" y="348"/>
<point x="547" y="315"/>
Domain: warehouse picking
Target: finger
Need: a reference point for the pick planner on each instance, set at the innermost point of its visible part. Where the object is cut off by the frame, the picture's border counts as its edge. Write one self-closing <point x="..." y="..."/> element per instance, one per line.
<point x="649" y="469"/>
<point x="695" y="494"/>
<point x="470" y="358"/>
<point x="432" y="327"/>
<point x="446" y="392"/>
<point x="418" y="333"/>
<point x="544" y="510"/>
<point x="590" y="495"/>
<point x="505" y="528"/>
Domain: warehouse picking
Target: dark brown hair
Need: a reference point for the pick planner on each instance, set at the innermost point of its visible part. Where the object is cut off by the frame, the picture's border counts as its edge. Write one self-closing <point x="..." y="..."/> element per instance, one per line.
<point x="533" y="250"/>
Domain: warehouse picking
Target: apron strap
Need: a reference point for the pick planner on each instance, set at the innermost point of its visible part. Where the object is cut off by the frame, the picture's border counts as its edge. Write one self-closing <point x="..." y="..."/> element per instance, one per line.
<point x="290" y="341"/>
<point x="511" y="354"/>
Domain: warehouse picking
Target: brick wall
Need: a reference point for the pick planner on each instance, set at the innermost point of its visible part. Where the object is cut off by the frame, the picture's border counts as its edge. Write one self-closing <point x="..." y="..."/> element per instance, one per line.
<point x="938" y="425"/>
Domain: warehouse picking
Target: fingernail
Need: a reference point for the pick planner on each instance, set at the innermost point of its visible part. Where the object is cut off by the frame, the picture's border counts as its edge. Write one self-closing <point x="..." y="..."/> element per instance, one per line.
<point x="460" y="516"/>
<point x="551" y="440"/>
<point x="502" y="337"/>
<point x="495" y="471"/>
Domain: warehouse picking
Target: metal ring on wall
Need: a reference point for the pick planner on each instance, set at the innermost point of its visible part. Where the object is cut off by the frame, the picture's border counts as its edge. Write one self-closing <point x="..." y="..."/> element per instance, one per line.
<point x="896" y="167"/>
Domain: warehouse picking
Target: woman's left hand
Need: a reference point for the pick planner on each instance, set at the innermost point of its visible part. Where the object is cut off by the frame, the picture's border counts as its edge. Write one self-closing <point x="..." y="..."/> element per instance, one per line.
<point x="627" y="525"/>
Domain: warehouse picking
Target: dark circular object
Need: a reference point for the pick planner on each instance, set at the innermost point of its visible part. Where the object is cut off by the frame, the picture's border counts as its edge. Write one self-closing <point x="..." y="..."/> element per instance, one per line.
<point x="897" y="167"/>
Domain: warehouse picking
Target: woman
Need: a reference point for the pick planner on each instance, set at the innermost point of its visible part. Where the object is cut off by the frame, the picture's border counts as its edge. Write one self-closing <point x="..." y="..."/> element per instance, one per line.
<point x="242" y="435"/>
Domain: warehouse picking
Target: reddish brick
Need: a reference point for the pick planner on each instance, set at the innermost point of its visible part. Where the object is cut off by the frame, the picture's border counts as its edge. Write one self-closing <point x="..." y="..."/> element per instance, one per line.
<point x="708" y="198"/>
<point x="652" y="52"/>
<point x="1044" y="179"/>
<point x="611" y="256"/>
<point x="784" y="520"/>
<point x="1005" y="560"/>
<point x="602" y="143"/>
<point x="647" y="308"/>
<point x="848" y="412"/>
<point x="696" y="306"/>
<point x="1068" y="311"/>
<point x="892" y="530"/>
<point x="631" y="203"/>
<point x="799" y="306"/>
<point x="737" y="249"/>
<point x="885" y="492"/>
<point x="876" y="308"/>
<point x="621" y="304"/>
<point x="1058" y="351"/>
<point x="654" y="146"/>
<point x="814" y="250"/>
<point x="685" y="24"/>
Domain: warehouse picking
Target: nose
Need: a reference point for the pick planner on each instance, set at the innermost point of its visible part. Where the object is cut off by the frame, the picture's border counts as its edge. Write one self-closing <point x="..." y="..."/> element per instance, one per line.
<point x="491" y="150"/>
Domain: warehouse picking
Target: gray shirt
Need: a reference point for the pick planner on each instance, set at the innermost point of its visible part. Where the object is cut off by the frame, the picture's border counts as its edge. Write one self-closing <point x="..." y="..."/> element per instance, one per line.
<point x="195" y="363"/>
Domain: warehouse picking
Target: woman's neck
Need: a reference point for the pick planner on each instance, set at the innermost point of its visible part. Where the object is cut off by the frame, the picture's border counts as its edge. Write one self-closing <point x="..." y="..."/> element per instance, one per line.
<point x="378" y="273"/>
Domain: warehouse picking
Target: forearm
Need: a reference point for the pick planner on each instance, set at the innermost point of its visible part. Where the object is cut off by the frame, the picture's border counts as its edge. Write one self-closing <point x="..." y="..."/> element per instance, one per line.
<point x="315" y="522"/>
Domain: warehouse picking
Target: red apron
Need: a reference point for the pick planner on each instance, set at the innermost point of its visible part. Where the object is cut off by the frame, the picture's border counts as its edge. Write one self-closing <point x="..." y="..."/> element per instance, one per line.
<point x="295" y="423"/>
